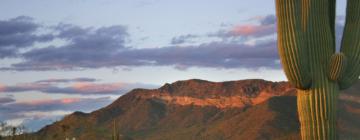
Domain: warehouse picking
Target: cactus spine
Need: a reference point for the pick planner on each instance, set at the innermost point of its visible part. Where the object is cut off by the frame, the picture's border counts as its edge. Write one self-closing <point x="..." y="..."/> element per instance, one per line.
<point x="306" y="43"/>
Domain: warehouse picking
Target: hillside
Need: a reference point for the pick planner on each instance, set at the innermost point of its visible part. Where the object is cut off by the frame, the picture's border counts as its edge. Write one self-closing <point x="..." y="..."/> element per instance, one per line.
<point x="198" y="109"/>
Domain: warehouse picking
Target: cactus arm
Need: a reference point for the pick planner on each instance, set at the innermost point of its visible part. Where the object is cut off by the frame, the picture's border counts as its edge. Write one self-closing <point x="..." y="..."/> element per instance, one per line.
<point x="292" y="49"/>
<point x="350" y="44"/>
<point x="318" y="27"/>
<point x="337" y="67"/>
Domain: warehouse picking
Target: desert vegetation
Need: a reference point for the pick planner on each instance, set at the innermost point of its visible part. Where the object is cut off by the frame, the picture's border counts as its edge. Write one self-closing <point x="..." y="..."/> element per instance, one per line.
<point x="10" y="132"/>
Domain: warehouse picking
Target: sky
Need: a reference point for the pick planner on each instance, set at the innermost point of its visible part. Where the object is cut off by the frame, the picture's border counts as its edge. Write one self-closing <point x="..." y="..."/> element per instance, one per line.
<point x="61" y="56"/>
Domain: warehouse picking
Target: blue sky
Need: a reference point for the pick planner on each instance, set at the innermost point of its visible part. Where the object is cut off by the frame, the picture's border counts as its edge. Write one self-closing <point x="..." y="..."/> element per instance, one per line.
<point x="59" y="56"/>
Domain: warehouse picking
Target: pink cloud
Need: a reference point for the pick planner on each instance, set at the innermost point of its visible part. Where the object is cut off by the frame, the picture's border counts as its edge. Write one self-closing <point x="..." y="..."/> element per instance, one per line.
<point x="33" y="86"/>
<point x="51" y="101"/>
<point x="70" y="100"/>
<point x="73" y="86"/>
<point x="253" y="30"/>
<point x="244" y="29"/>
<point x="38" y="102"/>
<point x="84" y="86"/>
<point x="2" y="87"/>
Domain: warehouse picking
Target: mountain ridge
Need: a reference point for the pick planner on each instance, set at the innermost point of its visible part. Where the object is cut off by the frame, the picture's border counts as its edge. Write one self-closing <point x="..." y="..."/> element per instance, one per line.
<point x="199" y="109"/>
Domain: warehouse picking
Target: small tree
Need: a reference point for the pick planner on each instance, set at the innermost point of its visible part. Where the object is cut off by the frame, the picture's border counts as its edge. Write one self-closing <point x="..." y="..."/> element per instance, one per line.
<point x="10" y="131"/>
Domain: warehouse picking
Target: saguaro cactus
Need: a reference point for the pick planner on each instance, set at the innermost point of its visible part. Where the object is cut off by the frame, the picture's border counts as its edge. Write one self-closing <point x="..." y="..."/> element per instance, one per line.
<point x="115" y="132"/>
<point x="306" y="43"/>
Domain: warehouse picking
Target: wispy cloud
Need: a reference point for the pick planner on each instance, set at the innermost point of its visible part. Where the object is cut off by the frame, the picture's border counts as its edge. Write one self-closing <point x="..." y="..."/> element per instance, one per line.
<point x="215" y="55"/>
<point x="82" y="86"/>
<point x="66" y="104"/>
<point x="182" y="39"/>
<point x="263" y="26"/>
<point x="67" y="80"/>
<point x="252" y="30"/>
<point x="5" y="100"/>
<point x="26" y="112"/>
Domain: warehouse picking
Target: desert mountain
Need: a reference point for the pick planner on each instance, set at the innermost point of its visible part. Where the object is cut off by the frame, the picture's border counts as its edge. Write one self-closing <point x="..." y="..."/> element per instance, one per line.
<point x="202" y="110"/>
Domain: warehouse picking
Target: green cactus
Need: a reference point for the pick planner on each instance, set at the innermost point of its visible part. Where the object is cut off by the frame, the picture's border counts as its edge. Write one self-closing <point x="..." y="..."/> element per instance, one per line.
<point x="115" y="132"/>
<point x="306" y="43"/>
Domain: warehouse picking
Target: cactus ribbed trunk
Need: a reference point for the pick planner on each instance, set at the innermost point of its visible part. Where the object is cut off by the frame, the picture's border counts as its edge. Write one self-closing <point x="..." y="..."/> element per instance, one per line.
<point x="317" y="111"/>
<point x="306" y="43"/>
<point x="317" y="104"/>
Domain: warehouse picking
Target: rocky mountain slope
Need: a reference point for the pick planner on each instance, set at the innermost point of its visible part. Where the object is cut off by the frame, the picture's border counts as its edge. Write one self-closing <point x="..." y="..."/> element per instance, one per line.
<point x="198" y="109"/>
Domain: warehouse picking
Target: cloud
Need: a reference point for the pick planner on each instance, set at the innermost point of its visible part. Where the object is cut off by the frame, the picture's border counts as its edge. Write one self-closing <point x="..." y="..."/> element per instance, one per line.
<point x="23" y="87"/>
<point x="216" y="55"/>
<point x="57" y="104"/>
<point x="182" y="39"/>
<point x="89" y="88"/>
<point x="18" y="33"/>
<point x="253" y="30"/>
<point x="240" y="46"/>
<point x="27" y="111"/>
<point x="86" y="48"/>
<point x="105" y="47"/>
<point x="18" y="25"/>
<point x="2" y="87"/>
<point x="263" y="26"/>
<point x="97" y="87"/>
<point x="67" y="80"/>
<point x="49" y="108"/>
<point x="36" y="120"/>
<point x="83" y="86"/>
<point x="5" y="100"/>
<point x="268" y="20"/>
<point x="66" y="104"/>
<point x="51" y="102"/>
